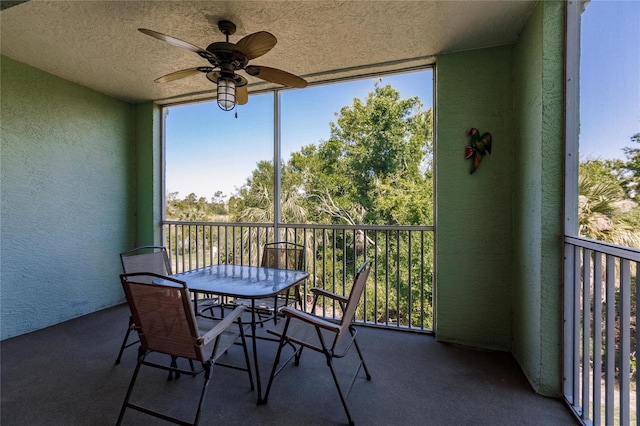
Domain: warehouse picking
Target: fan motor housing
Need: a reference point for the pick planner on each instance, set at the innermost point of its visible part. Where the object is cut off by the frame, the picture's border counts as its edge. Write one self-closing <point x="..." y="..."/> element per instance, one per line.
<point x="226" y="52"/>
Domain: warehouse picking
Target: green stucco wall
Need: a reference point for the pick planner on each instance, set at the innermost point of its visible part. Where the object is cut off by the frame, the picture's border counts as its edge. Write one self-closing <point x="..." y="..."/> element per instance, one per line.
<point x="473" y="211"/>
<point x="148" y="174"/>
<point x="499" y="231"/>
<point x="67" y="208"/>
<point x="538" y="203"/>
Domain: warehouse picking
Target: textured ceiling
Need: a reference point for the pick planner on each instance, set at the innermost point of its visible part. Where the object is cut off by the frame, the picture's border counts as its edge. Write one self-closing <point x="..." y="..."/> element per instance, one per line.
<point x="96" y="43"/>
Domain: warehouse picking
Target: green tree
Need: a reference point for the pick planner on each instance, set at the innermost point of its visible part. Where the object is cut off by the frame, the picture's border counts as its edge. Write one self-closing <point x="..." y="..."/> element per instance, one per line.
<point x="376" y="166"/>
<point x="258" y="198"/>
<point x="218" y="204"/>
<point x="631" y="169"/>
<point x="605" y="213"/>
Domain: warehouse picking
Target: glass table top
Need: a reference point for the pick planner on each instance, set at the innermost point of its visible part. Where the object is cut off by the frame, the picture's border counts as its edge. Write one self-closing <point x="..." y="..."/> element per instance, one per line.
<point x="239" y="280"/>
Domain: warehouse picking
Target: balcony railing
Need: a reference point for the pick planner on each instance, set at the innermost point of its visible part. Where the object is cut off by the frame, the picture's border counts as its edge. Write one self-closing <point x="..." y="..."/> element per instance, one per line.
<point x="600" y="333"/>
<point x="399" y="291"/>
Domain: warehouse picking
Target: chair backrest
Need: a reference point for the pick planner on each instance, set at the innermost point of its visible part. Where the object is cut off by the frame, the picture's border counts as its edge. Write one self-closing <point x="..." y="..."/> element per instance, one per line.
<point x="283" y="255"/>
<point x="146" y="259"/>
<point x="349" y="312"/>
<point x="163" y="315"/>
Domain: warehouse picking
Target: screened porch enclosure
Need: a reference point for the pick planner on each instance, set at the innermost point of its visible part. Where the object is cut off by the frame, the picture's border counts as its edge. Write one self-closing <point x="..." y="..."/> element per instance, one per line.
<point x="493" y="285"/>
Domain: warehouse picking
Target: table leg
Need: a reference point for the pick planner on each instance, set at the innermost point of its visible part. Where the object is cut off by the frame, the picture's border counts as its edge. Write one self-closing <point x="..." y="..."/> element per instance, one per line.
<point x="255" y="351"/>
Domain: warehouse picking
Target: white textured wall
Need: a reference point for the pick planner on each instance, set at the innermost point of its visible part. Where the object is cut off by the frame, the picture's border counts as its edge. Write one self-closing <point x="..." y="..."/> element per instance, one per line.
<point x="66" y="198"/>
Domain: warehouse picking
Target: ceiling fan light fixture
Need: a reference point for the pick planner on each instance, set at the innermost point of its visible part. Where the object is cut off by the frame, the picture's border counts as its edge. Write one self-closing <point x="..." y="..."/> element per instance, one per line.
<point x="229" y="58"/>
<point x="226" y="93"/>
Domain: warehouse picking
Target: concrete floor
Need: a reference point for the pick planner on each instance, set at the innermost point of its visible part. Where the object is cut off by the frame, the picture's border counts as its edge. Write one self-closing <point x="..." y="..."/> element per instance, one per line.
<point x="65" y="375"/>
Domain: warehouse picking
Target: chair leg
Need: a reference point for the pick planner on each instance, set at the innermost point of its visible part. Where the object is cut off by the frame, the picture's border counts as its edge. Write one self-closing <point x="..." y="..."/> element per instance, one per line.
<point x="246" y="353"/>
<point x="174" y="364"/>
<point x="281" y="344"/>
<point x="342" y="396"/>
<point x="364" y="365"/>
<point x="298" y="354"/>
<point x="207" y="377"/>
<point x="124" y="342"/>
<point x="275" y="308"/>
<point x="125" y="404"/>
<point x="298" y="297"/>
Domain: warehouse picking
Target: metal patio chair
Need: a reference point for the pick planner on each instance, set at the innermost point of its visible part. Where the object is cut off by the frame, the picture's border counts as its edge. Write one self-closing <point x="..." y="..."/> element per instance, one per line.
<point x="281" y="255"/>
<point x="166" y="323"/>
<point x="142" y="259"/>
<point x="153" y="259"/>
<point x="331" y="338"/>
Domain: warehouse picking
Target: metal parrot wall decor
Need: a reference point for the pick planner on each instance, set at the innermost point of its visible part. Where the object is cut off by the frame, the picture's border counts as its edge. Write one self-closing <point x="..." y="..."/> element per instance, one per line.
<point x="479" y="146"/>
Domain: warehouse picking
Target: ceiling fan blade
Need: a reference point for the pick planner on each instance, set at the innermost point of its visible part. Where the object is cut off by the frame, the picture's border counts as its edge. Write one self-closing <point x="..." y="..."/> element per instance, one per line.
<point x="276" y="76"/>
<point x="178" y="43"/>
<point x="256" y="44"/>
<point x="182" y="74"/>
<point x="242" y="95"/>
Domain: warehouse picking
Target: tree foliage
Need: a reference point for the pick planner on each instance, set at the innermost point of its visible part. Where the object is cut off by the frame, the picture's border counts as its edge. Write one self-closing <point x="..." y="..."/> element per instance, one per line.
<point x="375" y="168"/>
<point x="608" y="198"/>
<point x="631" y="169"/>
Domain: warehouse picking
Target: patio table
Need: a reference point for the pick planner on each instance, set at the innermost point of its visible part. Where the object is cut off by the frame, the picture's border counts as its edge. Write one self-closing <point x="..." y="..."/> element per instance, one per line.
<point x="247" y="282"/>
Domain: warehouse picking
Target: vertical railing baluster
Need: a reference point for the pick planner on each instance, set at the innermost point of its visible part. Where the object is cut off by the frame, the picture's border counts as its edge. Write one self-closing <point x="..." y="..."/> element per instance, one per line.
<point x="252" y="245"/>
<point x="609" y="359"/>
<point x="398" y="279"/>
<point x="637" y="347"/>
<point x="259" y="243"/>
<point x="226" y="245"/>
<point x="375" y="275"/>
<point x="625" y="339"/>
<point x="569" y="296"/>
<point x="354" y="237"/>
<point x="586" y="331"/>
<point x="241" y="239"/>
<point x="189" y="240"/>
<point x="334" y="271"/>
<point x="219" y="252"/>
<point x="210" y="245"/>
<point x="576" y="329"/>
<point x="386" y="286"/>
<point x="597" y="337"/>
<point x="422" y="283"/>
<point x="182" y="248"/>
<point x="170" y="247"/>
<point x="197" y="246"/>
<point x="364" y="258"/>
<point x="305" y="284"/>
<point x="233" y="245"/>
<point x="344" y="261"/>
<point x="325" y="238"/>
<point x="409" y="275"/>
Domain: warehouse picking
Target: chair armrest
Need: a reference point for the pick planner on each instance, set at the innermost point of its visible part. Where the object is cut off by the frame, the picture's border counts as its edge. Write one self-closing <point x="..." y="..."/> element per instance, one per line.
<point x="222" y="325"/>
<point x="311" y="319"/>
<point x="322" y="292"/>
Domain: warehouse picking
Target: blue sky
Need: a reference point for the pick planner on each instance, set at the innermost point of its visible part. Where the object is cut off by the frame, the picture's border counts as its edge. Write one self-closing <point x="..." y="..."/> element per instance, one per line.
<point x="211" y="150"/>
<point x="609" y="78"/>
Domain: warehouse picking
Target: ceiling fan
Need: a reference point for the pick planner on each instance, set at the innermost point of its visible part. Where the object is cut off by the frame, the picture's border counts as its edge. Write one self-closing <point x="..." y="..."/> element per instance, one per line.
<point x="226" y="58"/>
